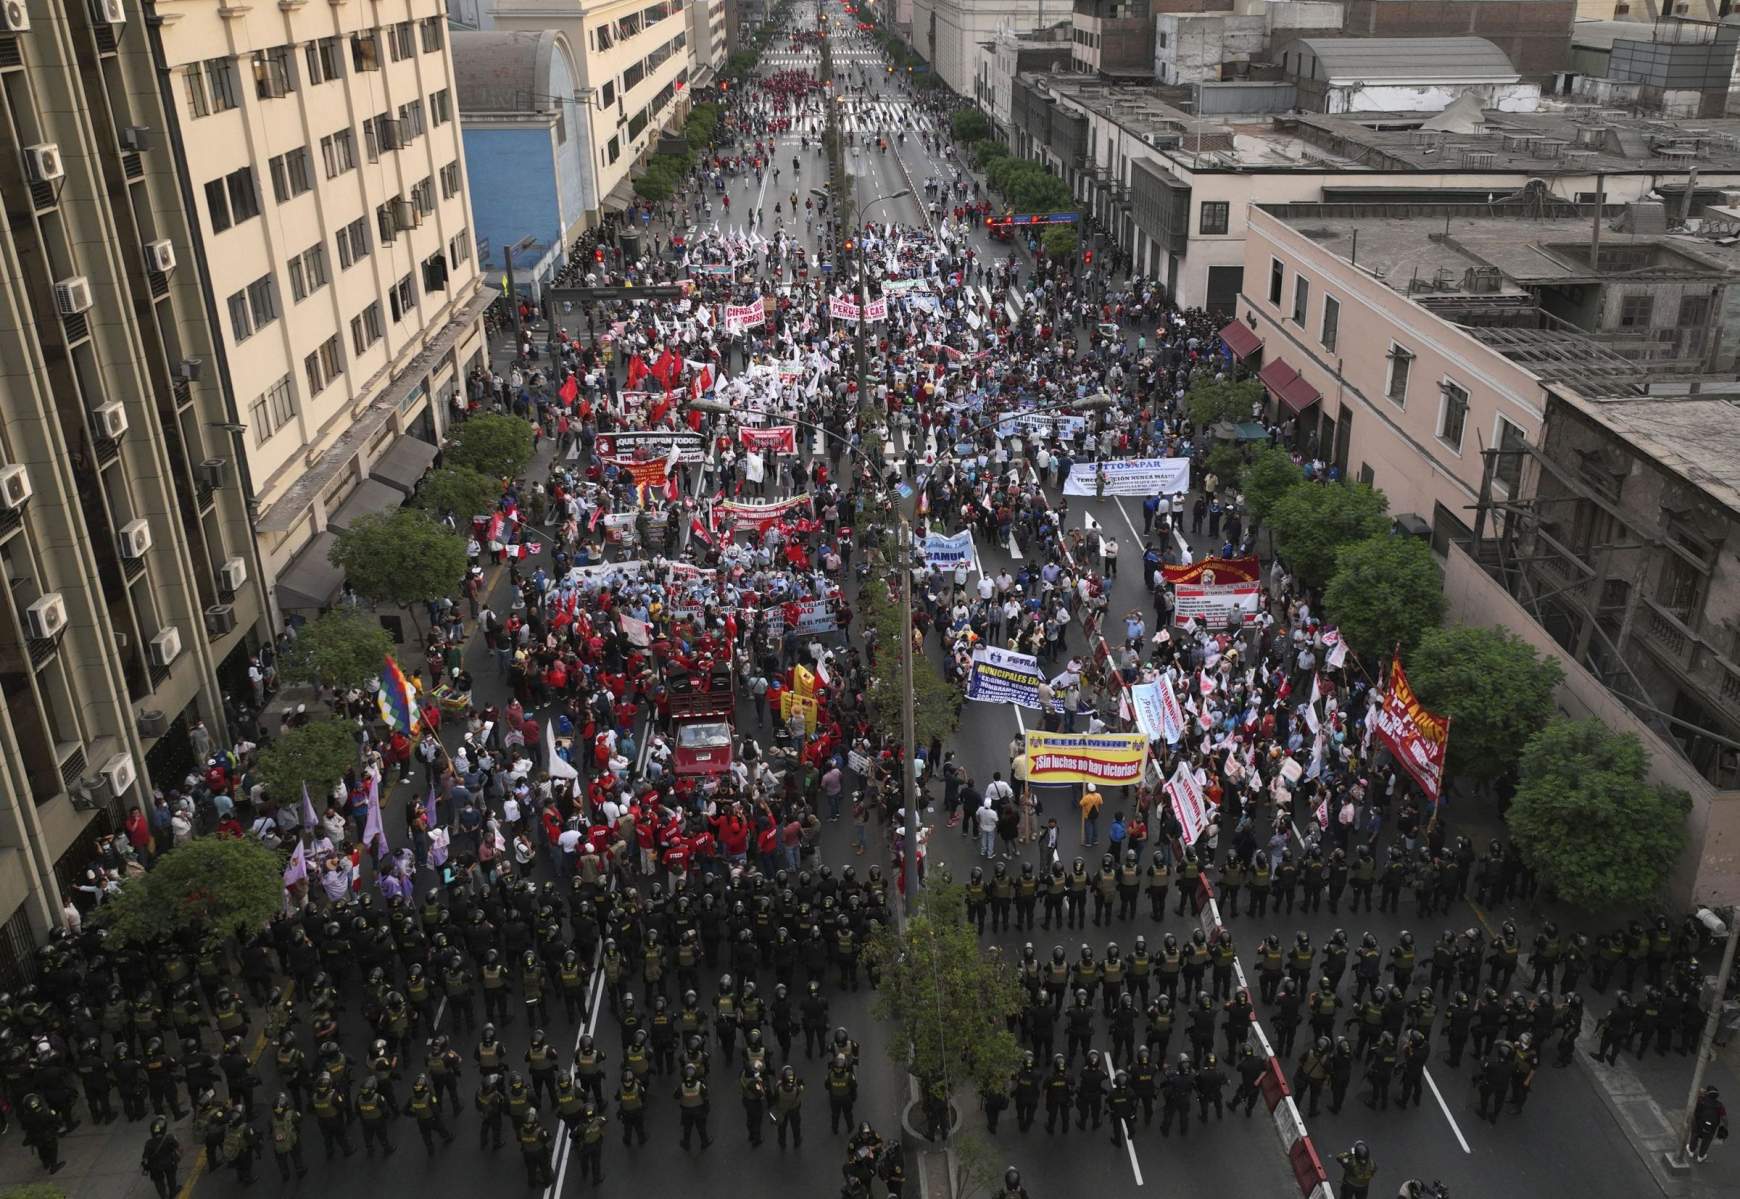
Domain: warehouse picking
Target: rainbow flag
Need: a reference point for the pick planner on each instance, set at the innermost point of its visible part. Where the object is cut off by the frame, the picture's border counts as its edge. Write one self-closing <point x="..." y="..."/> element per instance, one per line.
<point x="398" y="699"/>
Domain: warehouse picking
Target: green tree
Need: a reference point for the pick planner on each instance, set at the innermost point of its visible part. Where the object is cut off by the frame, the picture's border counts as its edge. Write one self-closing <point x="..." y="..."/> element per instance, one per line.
<point x="988" y="150"/>
<point x="1210" y="401"/>
<point x="1588" y="820"/>
<point x="400" y="558"/>
<point x="653" y="186"/>
<point x="1267" y="478"/>
<point x="218" y="886"/>
<point x="948" y="996"/>
<point x="936" y="702"/>
<point x="339" y="649"/>
<point x="1225" y="460"/>
<point x="1495" y="689"/>
<point x="1060" y="241"/>
<point x="1311" y="521"/>
<point x="317" y="754"/>
<point x="496" y="445"/>
<point x="458" y="491"/>
<point x="1386" y="591"/>
<point x="969" y="125"/>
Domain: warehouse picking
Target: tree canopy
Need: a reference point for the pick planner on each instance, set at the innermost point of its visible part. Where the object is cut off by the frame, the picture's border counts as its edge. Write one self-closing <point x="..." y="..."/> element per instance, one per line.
<point x="1312" y="520"/>
<point x="1059" y="241"/>
<point x="948" y="996"/>
<point x="936" y="702"/>
<point x="1266" y="478"/>
<point x="458" y="491"/>
<point x="1496" y="690"/>
<point x="338" y="649"/>
<point x="1386" y="591"/>
<point x="1212" y="400"/>
<point x="1587" y="819"/>
<point x="317" y="754"/>
<point x="493" y="444"/>
<point x="401" y="557"/>
<point x="218" y="886"/>
<point x="969" y="125"/>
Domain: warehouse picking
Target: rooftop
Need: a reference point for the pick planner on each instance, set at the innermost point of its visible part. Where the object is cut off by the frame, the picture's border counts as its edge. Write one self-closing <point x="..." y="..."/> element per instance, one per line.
<point x="505" y="72"/>
<point x="1387" y="59"/>
<point x="1696" y="437"/>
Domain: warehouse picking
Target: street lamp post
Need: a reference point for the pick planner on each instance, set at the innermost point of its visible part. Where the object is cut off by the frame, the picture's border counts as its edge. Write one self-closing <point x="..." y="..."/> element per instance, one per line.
<point x="513" y="296"/>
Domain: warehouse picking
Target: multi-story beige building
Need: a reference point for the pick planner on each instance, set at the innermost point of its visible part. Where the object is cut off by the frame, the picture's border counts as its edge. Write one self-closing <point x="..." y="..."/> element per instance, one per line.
<point x="133" y="595"/>
<point x="319" y="145"/>
<point x="634" y="64"/>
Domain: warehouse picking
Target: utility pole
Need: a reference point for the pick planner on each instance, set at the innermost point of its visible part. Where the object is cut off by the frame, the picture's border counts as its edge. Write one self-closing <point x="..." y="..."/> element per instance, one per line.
<point x="1681" y="1158"/>
<point x="909" y="763"/>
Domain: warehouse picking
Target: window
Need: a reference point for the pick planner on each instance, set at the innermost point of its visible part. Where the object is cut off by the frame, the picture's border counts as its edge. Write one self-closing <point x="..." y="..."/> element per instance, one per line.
<point x="1214" y="216"/>
<point x="459" y="249"/>
<point x="1694" y="312"/>
<point x="244" y="200"/>
<point x="323" y="61"/>
<point x="435" y="273"/>
<point x="1277" y="273"/>
<point x="365" y="52"/>
<point x="1401" y="361"/>
<point x="431" y="30"/>
<point x="308" y="272"/>
<point x="353" y="242"/>
<point x="423" y="195"/>
<point x="1637" y="311"/>
<point x="217" y="205"/>
<point x="1453" y="415"/>
<point x="401" y="44"/>
<point x="1367" y="476"/>
<point x="403" y="298"/>
<point x="263" y="301"/>
<point x="338" y="152"/>
<point x="450" y="180"/>
<point x="1507" y="466"/>
<point x="384" y="221"/>
<point x="198" y="105"/>
<point x="272" y="410"/>
<point x="1301" y="299"/>
<point x="607" y="93"/>
<point x="273" y="75"/>
<point x="1331" y="322"/>
<point x="220" y="82"/>
<point x="323" y="366"/>
<point x="290" y="174"/>
<point x="411" y="124"/>
<point x="614" y="151"/>
<point x="241" y="324"/>
<point x="1680" y="589"/>
<point x="366" y="329"/>
<point x="440" y="107"/>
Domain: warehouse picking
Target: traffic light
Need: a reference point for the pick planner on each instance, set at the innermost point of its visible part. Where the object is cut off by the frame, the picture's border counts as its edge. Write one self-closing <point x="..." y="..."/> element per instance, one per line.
<point x="849" y="245"/>
<point x="598" y="254"/>
<point x="1087" y="257"/>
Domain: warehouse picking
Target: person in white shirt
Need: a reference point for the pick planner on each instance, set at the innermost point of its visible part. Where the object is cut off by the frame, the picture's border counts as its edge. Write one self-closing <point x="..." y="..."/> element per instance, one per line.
<point x="986" y="819"/>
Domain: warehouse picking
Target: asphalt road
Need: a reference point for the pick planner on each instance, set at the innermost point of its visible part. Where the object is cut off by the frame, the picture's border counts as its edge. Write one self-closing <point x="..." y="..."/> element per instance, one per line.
<point x="1563" y="1142"/>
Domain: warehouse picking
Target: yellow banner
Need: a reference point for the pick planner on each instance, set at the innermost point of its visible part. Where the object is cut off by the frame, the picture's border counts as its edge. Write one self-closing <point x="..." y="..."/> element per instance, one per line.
<point x="1115" y="759"/>
<point x="790" y="702"/>
<point x="803" y="681"/>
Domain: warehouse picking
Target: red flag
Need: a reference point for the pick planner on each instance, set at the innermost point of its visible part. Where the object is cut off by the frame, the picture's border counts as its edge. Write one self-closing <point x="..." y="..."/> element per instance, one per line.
<point x="697" y="529"/>
<point x="659" y="410"/>
<point x="570" y="390"/>
<point x="695" y="419"/>
<point x="704" y="382"/>
<point x="637" y="370"/>
<point x="667" y="370"/>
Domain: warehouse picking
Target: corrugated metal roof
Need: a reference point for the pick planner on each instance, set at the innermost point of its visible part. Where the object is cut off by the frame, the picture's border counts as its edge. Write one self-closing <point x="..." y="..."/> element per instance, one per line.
<point x="1381" y="59"/>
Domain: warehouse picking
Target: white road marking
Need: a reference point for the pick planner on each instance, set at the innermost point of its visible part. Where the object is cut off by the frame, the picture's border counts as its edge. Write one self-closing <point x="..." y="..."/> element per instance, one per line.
<point x="1129" y="1139"/>
<point x="1443" y="1107"/>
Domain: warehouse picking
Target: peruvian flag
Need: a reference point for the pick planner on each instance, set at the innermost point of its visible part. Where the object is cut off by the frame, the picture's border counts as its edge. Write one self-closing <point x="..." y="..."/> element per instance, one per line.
<point x="637" y="370"/>
<point x="694" y="419"/>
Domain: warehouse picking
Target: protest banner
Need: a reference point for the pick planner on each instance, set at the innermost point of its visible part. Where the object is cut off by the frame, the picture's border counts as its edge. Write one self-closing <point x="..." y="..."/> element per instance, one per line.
<point x="651" y="443"/>
<point x="744" y="515"/>
<point x="739" y="317"/>
<point x="1216" y="605"/>
<point x="1416" y="737"/>
<point x="1210" y="572"/>
<point x="1115" y="759"/>
<point x="945" y="553"/>
<point x="1188" y="803"/>
<point x="1156" y="712"/>
<point x="1130" y="476"/>
<point x="1041" y="425"/>
<point x="1001" y="676"/>
<point x="813" y="616"/>
<point x="780" y="439"/>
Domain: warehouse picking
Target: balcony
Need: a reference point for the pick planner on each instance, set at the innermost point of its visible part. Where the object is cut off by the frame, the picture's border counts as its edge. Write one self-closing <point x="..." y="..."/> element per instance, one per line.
<point x="1682" y="650"/>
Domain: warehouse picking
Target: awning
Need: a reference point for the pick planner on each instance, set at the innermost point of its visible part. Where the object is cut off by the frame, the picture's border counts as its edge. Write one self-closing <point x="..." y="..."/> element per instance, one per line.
<point x="1238" y="338"/>
<point x="620" y="197"/>
<point x="310" y="583"/>
<point x="1288" y="386"/>
<point x="403" y="465"/>
<point x="370" y="496"/>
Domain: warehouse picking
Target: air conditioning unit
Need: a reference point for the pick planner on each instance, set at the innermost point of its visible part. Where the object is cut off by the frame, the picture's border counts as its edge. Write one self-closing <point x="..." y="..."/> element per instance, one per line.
<point x="219" y="619"/>
<point x="160" y="256"/>
<point x="234" y="573"/>
<point x="15" y="487"/>
<point x="46" y="617"/>
<point x="72" y="296"/>
<point x="110" y="420"/>
<point x="166" y="646"/>
<point x="119" y="774"/>
<point x="188" y="370"/>
<point x="135" y="538"/>
<point x="13" y="17"/>
<point x="152" y="722"/>
<point x="110" y="12"/>
<point x="213" y="472"/>
<point x="42" y="162"/>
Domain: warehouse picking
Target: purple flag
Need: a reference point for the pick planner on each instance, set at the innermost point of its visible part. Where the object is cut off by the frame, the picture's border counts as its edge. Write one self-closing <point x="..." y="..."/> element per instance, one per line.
<point x="374" y="836"/>
<point x="309" y="819"/>
<point x="296" y="870"/>
<point x="431" y="809"/>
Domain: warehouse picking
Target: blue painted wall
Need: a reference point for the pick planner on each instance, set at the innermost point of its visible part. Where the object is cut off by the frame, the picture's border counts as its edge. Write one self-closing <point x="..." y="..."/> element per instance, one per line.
<point x="573" y="179"/>
<point x="513" y="190"/>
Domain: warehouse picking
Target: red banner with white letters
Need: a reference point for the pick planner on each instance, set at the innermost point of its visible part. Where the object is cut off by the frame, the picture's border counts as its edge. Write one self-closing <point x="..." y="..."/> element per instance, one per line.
<point x="1416" y="737"/>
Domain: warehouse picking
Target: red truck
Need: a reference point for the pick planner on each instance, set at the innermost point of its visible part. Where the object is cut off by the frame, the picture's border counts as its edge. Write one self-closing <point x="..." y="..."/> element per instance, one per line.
<point x="703" y="713"/>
